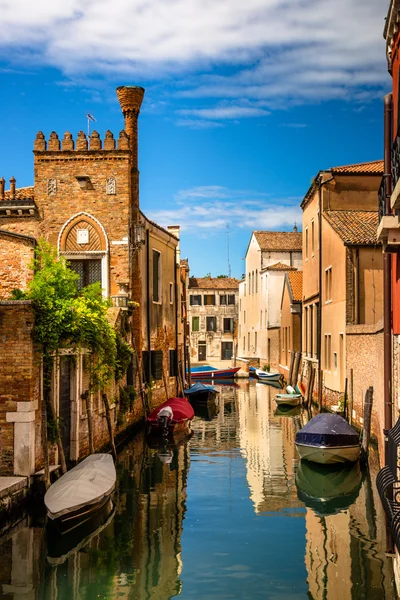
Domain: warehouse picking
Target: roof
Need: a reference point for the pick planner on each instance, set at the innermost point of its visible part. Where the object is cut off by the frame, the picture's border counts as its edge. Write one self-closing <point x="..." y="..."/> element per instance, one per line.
<point x="357" y="227"/>
<point x="280" y="267"/>
<point x="279" y="240"/>
<point x="295" y="279"/>
<point x="19" y="236"/>
<point x="374" y="167"/>
<point x="159" y="227"/>
<point x="21" y="193"/>
<point x="213" y="283"/>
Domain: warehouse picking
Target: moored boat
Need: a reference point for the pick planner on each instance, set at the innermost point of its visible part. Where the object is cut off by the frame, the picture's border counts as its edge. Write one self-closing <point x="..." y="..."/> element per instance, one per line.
<point x="80" y="493"/>
<point x="171" y="417"/>
<point x="206" y="372"/>
<point x="328" y="439"/>
<point x="265" y="376"/>
<point x="201" y="393"/>
<point x="288" y="399"/>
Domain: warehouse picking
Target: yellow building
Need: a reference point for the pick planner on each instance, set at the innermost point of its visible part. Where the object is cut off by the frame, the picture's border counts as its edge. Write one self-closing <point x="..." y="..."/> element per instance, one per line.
<point x="291" y="319"/>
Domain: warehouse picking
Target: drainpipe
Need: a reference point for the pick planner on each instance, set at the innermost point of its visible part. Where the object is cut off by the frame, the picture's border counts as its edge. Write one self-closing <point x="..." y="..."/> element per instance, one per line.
<point x="319" y="314"/>
<point x="148" y="301"/>
<point x="387" y="273"/>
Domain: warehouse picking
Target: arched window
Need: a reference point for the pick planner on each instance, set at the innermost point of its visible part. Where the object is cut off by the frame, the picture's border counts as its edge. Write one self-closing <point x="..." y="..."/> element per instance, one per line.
<point x="84" y="244"/>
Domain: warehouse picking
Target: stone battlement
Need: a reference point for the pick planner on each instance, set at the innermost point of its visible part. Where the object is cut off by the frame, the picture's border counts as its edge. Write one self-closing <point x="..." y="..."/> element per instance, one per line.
<point x="82" y="142"/>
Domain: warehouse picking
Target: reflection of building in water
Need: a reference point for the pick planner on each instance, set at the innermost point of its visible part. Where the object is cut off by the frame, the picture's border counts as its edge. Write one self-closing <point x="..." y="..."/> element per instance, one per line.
<point x="135" y="554"/>
<point x="221" y="432"/>
<point x="342" y="552"/>
<point x="268" y="446"/>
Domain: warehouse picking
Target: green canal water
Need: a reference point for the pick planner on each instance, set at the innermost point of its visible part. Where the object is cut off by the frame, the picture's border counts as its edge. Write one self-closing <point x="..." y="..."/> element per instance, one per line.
<point x="228" y="514"/>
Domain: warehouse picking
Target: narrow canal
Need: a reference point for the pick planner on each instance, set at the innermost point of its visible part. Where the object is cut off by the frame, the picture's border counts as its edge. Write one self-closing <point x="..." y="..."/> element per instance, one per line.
<point x="228" y="514"/>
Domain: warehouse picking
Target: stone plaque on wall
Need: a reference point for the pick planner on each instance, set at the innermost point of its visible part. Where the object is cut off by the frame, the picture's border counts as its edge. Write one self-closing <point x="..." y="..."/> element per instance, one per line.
<point x="82" y="236"/>
<point x="111" y="186"/>
<point x="51" y="186"/>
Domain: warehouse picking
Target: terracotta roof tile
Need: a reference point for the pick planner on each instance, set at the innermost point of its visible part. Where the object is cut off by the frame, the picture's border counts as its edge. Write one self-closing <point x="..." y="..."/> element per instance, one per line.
<point x="354" y="226"/>
<point x="280" y="267"/>
<point x="279" y="240"/>
<point x="21" y="193"/>
<point x="296" y="284"/>
<point x="374" y="167"/>
<point x="214" y="283"/>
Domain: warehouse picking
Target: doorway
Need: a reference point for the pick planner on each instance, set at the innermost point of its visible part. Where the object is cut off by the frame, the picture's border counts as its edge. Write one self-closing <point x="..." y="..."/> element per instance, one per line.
<point x="64" y="404"/>
<point x="202" y="351"/>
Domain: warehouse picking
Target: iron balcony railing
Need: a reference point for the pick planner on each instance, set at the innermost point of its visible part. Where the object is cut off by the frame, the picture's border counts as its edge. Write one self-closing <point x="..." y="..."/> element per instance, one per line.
<point x="382" y="199"/>
<point x="396" y="161"/>
<point x="388" y="483"/>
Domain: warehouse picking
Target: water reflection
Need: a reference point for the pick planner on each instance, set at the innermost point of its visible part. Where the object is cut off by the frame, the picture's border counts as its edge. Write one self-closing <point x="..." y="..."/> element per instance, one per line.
<point x="229" y="513"/>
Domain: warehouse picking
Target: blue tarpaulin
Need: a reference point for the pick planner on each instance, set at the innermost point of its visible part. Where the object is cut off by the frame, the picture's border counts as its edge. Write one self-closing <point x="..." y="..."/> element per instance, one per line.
<point x="327" y="429"/>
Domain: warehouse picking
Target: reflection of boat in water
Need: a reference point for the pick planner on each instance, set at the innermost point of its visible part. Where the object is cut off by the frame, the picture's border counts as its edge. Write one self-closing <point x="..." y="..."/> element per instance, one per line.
<point x="274" y="384"/>
<point x="206" y="410"/>
<point x="61" y="546"/>
<point x="200" y="393"/>
<point x="328" y="439"/>
<point x="285" y="410"/>
<point x="328" y="489"/>
<point x="81" y="492"/>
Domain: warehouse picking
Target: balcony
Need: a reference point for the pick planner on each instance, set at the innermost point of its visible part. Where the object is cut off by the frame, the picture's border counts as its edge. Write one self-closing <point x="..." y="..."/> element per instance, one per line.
<point x="389" y="226"/>
<point x="395" y="197"/>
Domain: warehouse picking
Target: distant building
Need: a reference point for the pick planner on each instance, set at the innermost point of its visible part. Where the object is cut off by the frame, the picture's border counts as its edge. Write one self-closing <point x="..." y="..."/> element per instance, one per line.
<point x="270" y="255"/>
<point x="212" y="315"/>
<point x="291" y="306"/>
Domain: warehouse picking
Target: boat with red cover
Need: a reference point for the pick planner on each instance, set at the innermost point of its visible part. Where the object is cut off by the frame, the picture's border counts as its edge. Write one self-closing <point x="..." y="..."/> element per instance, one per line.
<point x="173" y="416"/>
<point x="207" y="372"/>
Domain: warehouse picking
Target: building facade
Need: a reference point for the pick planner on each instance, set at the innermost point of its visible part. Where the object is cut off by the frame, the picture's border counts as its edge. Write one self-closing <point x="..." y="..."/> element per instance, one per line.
<point x="343" y="286"/>
<point x="291" y="311"/>
<point x="270" y="255"/>
<point x="85" y="202"/>
<point x="212" y="316"/>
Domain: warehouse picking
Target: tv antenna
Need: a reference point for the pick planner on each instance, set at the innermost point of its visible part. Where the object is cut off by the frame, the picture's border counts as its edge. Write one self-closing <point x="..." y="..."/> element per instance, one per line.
<point x="89" y="118"/>
<point x="227" y="241"/>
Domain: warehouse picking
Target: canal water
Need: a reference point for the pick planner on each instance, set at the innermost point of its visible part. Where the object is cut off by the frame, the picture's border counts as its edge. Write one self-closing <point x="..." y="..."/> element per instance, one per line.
<point x="228" y="514"/>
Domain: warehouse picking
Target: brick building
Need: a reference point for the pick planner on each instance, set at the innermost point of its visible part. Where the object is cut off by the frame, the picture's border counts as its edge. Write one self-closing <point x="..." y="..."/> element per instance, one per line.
<point x="212" y="317"/>
<point x="85" y="201"/>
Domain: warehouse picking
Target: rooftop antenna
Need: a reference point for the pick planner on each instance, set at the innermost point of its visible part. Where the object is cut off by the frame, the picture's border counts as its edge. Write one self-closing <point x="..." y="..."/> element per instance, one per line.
<point x="89" y="118"/>
<point x="227" y="240"/>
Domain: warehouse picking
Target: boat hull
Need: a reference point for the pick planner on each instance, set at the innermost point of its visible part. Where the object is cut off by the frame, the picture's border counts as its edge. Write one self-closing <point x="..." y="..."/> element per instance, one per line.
<point x="288" y="399"/>
<point x="215" y="374"/>
<point x="203" y="397"/>
<point x="264" y="376"/>
<point x="328" y="455"/>
<point x="154" y="428"/>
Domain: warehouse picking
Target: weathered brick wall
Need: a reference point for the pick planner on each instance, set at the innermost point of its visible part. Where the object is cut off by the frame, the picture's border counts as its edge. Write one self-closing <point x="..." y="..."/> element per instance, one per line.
<point x="16" y="255"/>
<point x="274" y="337"/>
<point x="365" y="357"/>
<point x="19" y="371"/>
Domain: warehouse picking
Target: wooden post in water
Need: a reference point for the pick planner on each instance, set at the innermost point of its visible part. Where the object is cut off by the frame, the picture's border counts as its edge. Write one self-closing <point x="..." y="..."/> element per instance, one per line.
<point x="351" y="400"/>
<point x="109" y="425"/>
<point x="60" y="447"/>
<point x="290" y="375"/>
<point x="88" y="399"/>
<point x="45" y="447"/>
<point x="320" y="374"/>
<point x="367" y="418"/>
<point x="296" y="368"/>
<point x="345" y="400"/>
<point x="310" y="387"/>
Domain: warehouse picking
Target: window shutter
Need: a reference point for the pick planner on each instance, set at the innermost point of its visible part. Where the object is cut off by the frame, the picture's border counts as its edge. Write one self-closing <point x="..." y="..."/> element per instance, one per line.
<point x="157" y="364"/>
<point x="173" y="363"/>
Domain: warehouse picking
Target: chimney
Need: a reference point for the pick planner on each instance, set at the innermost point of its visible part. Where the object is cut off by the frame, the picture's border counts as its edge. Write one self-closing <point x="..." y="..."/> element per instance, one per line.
<point x="175" y="230"/>
<point x="12" y="188"/>
<point x="2" y="184"/>
<point x="130" y="98"/>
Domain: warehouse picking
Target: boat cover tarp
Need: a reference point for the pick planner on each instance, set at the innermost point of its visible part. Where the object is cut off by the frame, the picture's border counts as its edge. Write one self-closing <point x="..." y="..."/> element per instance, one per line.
<point x="87" y="483"/>
<point x="198" y="388"/>
<point x="202" y="369"/>
<point x="328" y="430"/>
<point x="181" y="408"/>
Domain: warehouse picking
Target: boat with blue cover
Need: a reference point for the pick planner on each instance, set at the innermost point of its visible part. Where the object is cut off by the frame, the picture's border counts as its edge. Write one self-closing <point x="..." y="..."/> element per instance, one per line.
<point x="201" y="393"/>
<point x="328" y="439"/>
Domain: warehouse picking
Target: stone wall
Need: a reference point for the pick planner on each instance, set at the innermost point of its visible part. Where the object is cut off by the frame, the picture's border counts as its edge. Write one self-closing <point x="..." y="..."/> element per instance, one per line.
<point x="16" y="254"/>
<point x="19" y="384"/>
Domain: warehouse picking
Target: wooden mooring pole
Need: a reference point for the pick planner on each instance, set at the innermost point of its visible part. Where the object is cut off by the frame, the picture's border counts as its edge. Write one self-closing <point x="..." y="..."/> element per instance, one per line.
<point x="367" y="419"/>
<point x="88" y="399"/>
<point x="109" y="425"/>
<point x="290" y="375"/>
<point x="297" y="358"/>
<point x="351" y="399"/>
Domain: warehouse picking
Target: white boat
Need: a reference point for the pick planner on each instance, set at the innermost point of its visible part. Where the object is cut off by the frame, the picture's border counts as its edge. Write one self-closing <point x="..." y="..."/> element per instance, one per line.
<point x="78" y="494"/>
<point x="328" y="439"/>
<point x="290" y="399"/>
<point x="265" y="376"/>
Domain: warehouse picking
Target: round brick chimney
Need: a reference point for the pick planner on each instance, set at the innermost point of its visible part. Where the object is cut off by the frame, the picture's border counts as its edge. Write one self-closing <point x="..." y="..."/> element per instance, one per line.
<point x="130" y="98"/>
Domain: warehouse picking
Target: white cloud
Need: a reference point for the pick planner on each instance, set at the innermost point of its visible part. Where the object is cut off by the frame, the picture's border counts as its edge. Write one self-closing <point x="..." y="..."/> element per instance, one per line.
<point x="277" y="51"/>
<point x="208" y="209"/>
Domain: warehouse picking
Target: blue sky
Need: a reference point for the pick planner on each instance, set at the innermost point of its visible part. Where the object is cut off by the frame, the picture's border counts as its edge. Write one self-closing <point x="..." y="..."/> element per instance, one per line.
<point x="244" y="102"/>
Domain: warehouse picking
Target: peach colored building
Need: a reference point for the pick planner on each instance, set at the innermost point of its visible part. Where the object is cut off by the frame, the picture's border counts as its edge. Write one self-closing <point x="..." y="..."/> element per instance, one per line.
<point x="343" y="286"/>
<point x="291" y="319"/>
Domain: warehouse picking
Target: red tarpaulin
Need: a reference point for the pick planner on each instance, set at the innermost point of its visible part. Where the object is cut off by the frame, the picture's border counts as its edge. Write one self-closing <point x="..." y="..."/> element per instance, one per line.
<point x="181" y="408"/>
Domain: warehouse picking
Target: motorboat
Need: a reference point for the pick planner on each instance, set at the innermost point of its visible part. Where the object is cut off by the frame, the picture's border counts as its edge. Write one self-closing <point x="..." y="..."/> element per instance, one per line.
<point x="171" y="417"/>
<point x="201" y="393"/>
<point x="207" y="372"/>
<point x="288" y="399"/>
<point x="328" y="489"/>
<point x="81" y="492"/>
<point x="327" y="439"/>
<point x="265" y="376"/>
